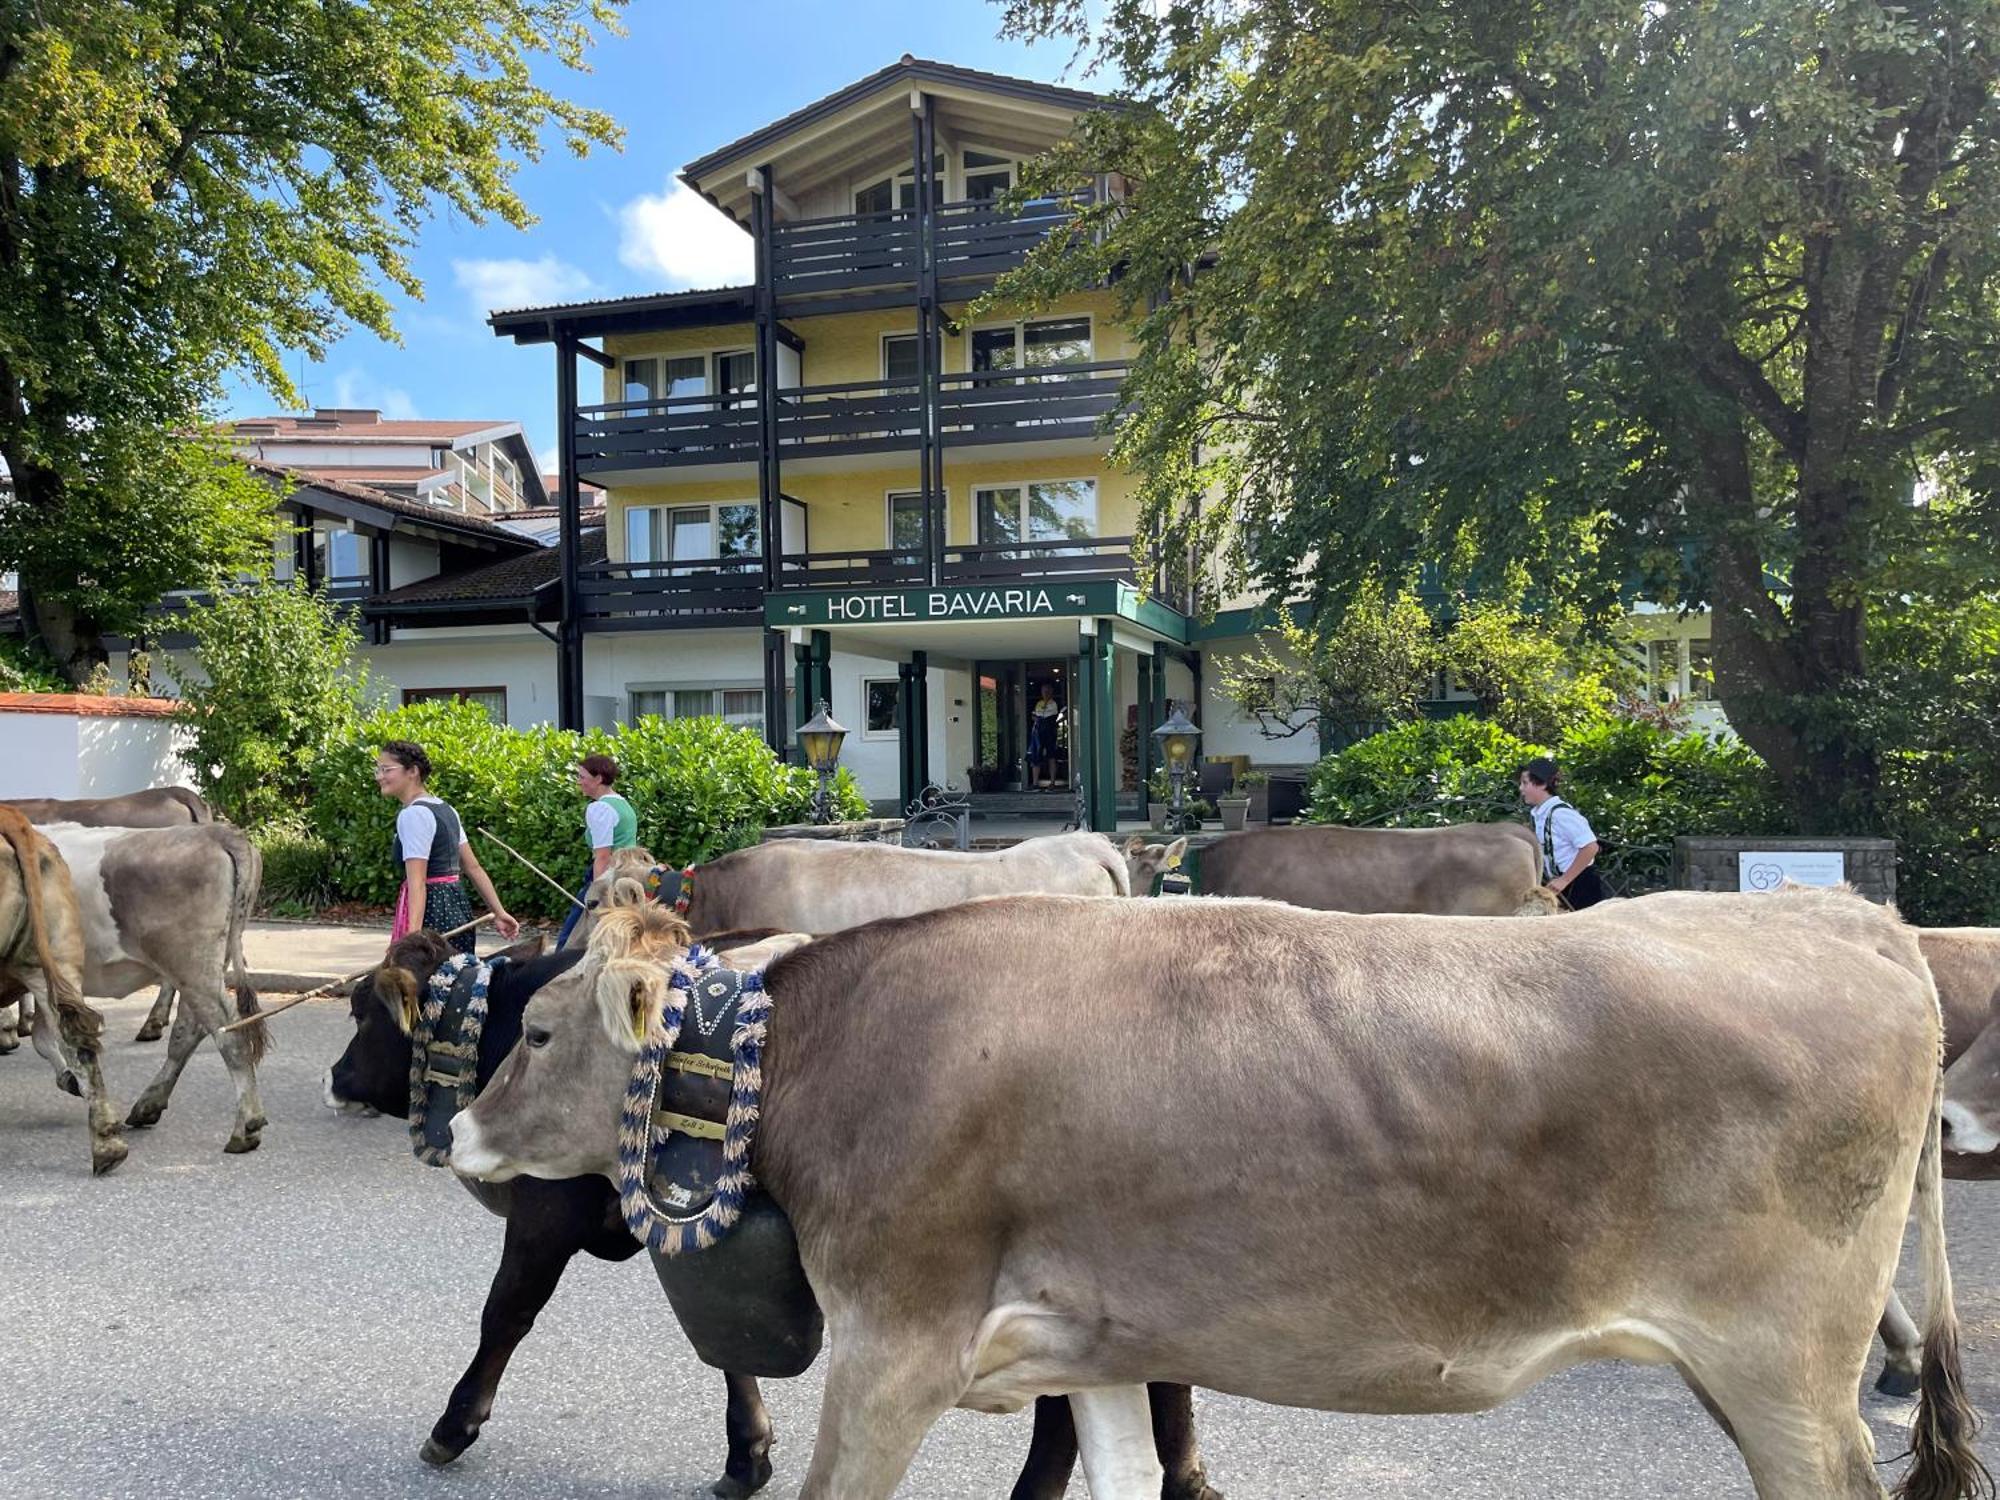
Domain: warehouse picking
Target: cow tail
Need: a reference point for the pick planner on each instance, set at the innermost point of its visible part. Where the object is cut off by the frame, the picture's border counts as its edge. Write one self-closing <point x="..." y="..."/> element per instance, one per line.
<point x="247" y="861"/>
<point x="1944" y="1464"/>
<point x="1115" y="866"/>
<point x="74" y="1016"/>
<point x="198" y="810"/>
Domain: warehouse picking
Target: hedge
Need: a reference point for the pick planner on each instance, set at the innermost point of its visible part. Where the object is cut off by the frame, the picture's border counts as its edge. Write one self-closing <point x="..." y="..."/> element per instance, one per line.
<point x="1639" y="785"/>
<point x="700" y="787"/>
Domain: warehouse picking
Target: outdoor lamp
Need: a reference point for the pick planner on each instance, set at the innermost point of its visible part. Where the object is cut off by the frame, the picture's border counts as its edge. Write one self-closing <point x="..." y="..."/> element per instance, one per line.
<point x="820" y="738"/>
<point x="1177" y="739"/>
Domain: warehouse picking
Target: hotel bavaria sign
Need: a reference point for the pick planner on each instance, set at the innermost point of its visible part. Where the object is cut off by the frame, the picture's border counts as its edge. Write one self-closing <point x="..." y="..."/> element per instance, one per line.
<point x="1014" y="602"/>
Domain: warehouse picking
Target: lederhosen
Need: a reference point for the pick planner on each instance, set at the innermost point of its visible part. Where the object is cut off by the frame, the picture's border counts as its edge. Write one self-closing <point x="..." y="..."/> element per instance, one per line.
<point x="445" y="905"/>
<point x="1588" y="887"/>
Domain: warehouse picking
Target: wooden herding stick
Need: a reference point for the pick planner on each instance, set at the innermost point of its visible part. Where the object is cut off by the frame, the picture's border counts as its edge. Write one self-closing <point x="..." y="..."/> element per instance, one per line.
<point x="334" y="984"/>
<point x="567" y="894"/>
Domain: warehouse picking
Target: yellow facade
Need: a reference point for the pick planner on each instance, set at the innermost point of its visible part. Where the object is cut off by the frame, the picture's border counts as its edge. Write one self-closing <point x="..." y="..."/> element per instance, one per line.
<point x="848" y="510"/>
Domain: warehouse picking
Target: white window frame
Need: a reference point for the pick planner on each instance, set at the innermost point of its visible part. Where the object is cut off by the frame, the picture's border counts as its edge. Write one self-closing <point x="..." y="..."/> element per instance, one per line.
<point x="882" y="349"/>
<point x="713" y="507"/>
<point x="711" y="367"/>
<point x="889" y="499"/>
<point x="892" y="731"/>
<point x="1020" y="327"/>
<point x="966" y="169"/>
<point x="1024" y="485"/>
<point x="672" y="690"/>
<point x="898" y="180"/>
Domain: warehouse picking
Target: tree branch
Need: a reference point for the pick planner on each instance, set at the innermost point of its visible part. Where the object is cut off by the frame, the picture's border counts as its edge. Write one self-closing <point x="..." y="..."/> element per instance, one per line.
<point x="1735" y="374"/>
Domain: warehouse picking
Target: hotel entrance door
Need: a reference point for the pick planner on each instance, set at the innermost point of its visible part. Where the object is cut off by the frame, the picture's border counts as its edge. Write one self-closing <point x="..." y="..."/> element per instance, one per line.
<point x="1024" y="724"/>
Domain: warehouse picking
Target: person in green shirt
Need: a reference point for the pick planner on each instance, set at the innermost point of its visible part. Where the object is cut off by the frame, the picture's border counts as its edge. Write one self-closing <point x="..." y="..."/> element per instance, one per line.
<point x="609" y="821"/>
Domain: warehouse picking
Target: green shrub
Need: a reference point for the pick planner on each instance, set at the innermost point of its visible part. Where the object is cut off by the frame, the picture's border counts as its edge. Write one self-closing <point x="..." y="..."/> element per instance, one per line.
<point x="27" y="669"/>
<point x="699" y="786"/>
<point x="1639" y="785"/>
<point x="298" y="867"/>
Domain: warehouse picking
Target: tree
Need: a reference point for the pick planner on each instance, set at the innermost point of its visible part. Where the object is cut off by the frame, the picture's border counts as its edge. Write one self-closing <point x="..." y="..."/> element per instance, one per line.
<point x="1697" y="294"/>
<point x="1367" y="671"/>
<point x="191" y="187"/>
<point x="268" y="688"/>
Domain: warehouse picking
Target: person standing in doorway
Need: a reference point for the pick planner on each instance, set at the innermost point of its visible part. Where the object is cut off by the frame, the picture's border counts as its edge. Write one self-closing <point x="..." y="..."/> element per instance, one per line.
<point x="609" y="822"/>
<point x="1569" y="847"/>
<point x="432" y="853"/>
<point x="1042" y="737"/>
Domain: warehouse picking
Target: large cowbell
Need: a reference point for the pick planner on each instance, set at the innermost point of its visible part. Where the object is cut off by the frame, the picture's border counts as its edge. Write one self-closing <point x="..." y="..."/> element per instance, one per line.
<point x="743" y="1302"/>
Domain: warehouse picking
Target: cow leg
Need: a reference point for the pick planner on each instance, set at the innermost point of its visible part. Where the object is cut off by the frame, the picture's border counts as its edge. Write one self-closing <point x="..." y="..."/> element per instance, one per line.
<point x="883" y="1392"/>
<point x="1052" y="1454"/>
<point x="152" y="1103"/>
<point x="531" y="1267"/>
<point x="10" y="1027"/>
<point x="748" y="1467"/>
<point x="239" y="1055"/>
<point x="1905" y="1348"/>
<point x="1800" y="1436"/>
<point x="156" y="1018"/>
<point x="78" y="1072"/>
<point x="1114" y="1432"/>
<point x="1186" y="1475"/>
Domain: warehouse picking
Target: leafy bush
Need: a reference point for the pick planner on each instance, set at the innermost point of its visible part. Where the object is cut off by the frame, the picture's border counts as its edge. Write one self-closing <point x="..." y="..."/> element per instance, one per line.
<point x="1639" y="785"/>
<point x="699" y="786"/>
<point x="270" y="684"/>
<point x="25" y="669"/>
<point x="298" y="867"/>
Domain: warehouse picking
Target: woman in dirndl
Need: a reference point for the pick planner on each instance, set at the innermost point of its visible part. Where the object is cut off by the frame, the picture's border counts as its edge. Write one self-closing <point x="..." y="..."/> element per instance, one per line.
<point x="432" y="852"/>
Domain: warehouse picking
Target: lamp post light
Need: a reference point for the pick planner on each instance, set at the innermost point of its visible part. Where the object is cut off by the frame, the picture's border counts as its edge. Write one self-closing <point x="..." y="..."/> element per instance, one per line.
<point x="1177" y="739"/>
<point x="819" y="739"/>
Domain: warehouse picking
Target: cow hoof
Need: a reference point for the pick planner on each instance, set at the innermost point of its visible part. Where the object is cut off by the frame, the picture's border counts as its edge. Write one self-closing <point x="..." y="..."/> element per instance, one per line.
<point x="149" y="1033"/>
<point x="106" y="1154"/>
<point x="66" y="1081"/>
<point x="243" y="1141"/>
<point x="730" y="1487"/>
<point x="438" y="1454"/>
<point x="1895" y="1382"/>
<point x="9" y="1045"/>
<point x="143" y="1116"/>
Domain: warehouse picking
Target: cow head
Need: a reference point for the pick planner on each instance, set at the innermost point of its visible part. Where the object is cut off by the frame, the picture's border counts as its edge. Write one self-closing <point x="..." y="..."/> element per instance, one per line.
<point x="373" y="1075"/>
<point x="623" y="883"/>
<point x="1148" y="862"/>
<point x="1971" y="1121"/>
<point x="553" y="1108"/>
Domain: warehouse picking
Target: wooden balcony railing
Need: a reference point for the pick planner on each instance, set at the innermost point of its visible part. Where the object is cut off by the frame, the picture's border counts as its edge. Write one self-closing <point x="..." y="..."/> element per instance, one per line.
<point x="671" y="592"/>
<point x="849" y="417"/>
<point x="849" y="252"/>
<point x="891" y="567"/>
<point x="993" y="562"/>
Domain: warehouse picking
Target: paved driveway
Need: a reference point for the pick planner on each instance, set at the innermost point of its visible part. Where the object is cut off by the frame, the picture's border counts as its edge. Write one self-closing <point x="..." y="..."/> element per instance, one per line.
<point x="289" y="1323"/>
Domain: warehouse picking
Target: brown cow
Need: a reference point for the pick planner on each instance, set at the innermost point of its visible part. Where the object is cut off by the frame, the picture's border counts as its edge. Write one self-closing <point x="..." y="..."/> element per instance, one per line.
<point x="1466" y="870"/>
<point x="1382" y="1164"/>
<point x="42" y="955"/>
<point x="155" y="807"/>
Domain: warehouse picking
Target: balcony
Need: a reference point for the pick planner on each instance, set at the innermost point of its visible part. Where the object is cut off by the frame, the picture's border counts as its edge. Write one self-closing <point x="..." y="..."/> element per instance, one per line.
<point x="849" y="253"/>
<point x="1059" y="407"/>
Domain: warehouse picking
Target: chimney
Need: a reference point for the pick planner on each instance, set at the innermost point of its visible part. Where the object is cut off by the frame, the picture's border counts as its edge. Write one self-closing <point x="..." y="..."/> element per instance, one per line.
<point x="347" y="416"/>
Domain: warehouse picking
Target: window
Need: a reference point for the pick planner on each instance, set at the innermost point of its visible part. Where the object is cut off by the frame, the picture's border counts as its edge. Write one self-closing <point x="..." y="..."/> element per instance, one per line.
<point x="1044" y="511"/>
<point x="743" y="707"/>
<point x="735" y="374"/>
<point x="987" y="176"/>
<point x="1701" y="668"/>
<point x="1032" y="346"/>
<point x="880" y="697"/>
<point x="492" y="699"/>
<point x="906" y="521"/>
<point x="652" y="379"/>
<point x="899" y="191"/>
<point x="691" y="533"/>
<point x="338" y="554"/>
<point x="899" y="358"/>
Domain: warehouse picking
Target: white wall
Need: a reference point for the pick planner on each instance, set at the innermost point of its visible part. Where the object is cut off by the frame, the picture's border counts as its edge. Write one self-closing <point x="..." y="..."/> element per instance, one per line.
<point x="1227" y="730"/>
<point x="87" y="755"/>
<point x="513" y="657"/>
<point x="411" y="562"/>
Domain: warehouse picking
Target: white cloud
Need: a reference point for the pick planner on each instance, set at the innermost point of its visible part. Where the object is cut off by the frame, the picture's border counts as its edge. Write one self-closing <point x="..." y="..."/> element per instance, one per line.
<point x="682" y="237"/>
<point x="547" y="457"/>
<point x="352" y="388"/>
<point x="496" y="285"/>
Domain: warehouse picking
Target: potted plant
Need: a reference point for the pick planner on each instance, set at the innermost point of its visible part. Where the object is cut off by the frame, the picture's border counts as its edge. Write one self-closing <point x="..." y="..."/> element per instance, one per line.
<point x="1235" y="807"/>
<point x="1257" y="786"/>
<point x="1159" y="796"/>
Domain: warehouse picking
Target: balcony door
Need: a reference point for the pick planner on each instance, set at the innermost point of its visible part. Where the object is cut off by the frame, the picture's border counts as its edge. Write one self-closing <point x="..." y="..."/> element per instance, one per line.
<point x="691" y="538"/>
<point x="1047" y="510"/>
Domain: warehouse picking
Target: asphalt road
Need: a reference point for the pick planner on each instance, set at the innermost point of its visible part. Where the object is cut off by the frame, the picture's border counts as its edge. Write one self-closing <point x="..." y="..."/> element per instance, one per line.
<point x="289" y="1324"/>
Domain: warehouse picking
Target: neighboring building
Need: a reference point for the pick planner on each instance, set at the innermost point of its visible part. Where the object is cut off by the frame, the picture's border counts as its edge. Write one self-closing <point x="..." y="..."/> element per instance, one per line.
<point x="480" y="468"/>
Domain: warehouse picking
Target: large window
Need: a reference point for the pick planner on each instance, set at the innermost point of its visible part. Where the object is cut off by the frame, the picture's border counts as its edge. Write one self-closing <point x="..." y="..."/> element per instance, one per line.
<point x="1032" y="346"/>
<point x="339" y="554"/>
<point x="906" y="521"/>
<point x="1046" y="510"/>
<point x="657" y="378"/>
<point x="691" y="533"/>
<point x="492" y="699"/>
<point x="743" y="707"/>
<point x="899" y="191"/>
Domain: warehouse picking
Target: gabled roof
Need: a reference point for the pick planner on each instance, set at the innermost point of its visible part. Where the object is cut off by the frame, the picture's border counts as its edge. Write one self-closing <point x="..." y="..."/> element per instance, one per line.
<point x="646" y="313"/>
<point x="905" y="72"/>
<point x="351" y="498"/>
<point x="523" y="584"/>
<point x="357" y="426"/>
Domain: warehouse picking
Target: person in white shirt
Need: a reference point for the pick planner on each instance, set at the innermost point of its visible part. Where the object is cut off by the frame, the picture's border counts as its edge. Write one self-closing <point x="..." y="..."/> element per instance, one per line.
<point x="1569" y="847"/>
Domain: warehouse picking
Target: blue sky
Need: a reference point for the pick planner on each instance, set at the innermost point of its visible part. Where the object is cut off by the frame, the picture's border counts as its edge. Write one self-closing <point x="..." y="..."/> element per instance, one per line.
<point x="683" y="80"/>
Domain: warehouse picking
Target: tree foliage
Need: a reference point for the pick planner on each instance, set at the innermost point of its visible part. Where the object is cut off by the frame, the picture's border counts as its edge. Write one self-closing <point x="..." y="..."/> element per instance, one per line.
<point x="191" y="187"/>
<point x="1692" y="294"/>
<point x="269" y="686"/>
